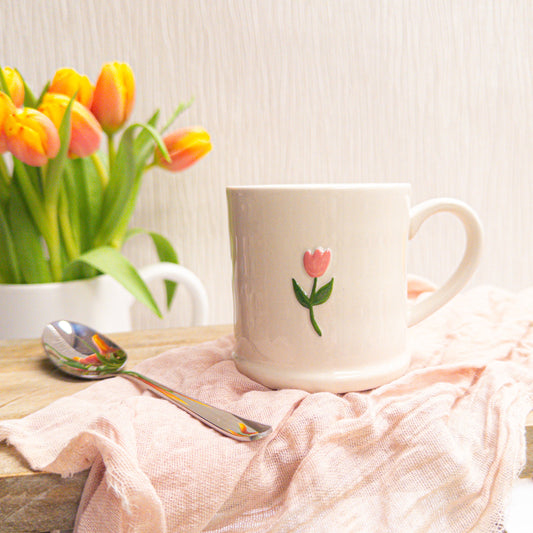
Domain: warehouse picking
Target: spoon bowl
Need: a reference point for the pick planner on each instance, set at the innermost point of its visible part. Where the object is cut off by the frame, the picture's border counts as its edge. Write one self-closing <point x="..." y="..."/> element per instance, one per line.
<point x="80" y="351"/>
<point x="73" y="348"/>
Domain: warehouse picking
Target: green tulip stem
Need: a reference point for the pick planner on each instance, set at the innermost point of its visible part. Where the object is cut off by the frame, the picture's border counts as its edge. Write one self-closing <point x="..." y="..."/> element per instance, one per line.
<point x="45" y="218"/>
<point x="100" y="169"/>
<point x="4" y="174"/>
<point x="32" y="199"/>
<point x="53" y="243"/>
<point x="52" y="236"/>
<point x="311" y="310"/>
<point x="117" y="237"/>
<point x="313" y="290"/>
<point x="10" y="256"/>
<point x="313" y="321"/>
<point x="111" y="151"/>
<point x="5" y="180"/>
<point x="71" y="243"/>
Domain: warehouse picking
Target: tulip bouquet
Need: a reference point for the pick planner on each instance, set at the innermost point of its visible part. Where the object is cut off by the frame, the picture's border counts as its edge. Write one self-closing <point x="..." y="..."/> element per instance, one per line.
<point x="66" y="204"/>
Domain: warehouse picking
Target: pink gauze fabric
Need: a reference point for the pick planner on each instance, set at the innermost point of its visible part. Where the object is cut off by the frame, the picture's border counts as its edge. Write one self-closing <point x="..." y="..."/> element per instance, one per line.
<point x="437" y="450"/>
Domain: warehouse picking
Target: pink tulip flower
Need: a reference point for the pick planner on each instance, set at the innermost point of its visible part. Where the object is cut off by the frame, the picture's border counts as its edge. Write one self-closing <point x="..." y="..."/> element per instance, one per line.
<point x="185" y="147"/>
<point x="7" y="107"/>
<point x="85" y="132"/>
<point x="69" y="82"/>
<point x="317" y="263"/>
<point x="31" y="136"/>
<point x="114" y="96"/>
<point x="15" y="85"/>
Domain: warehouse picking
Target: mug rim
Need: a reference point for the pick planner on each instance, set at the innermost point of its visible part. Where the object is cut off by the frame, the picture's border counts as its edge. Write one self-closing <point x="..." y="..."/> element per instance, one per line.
<point x="322" y="187"/>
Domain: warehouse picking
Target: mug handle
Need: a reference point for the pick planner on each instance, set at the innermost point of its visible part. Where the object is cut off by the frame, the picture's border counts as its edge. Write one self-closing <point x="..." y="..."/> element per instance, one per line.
<point x="182" y="275"/>
<point x="468" y="264"/>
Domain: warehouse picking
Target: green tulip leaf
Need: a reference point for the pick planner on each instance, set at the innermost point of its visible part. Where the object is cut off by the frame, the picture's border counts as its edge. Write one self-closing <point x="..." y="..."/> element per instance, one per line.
<point x="118" y="190"/>
<point x="41" y="96"/>
<point x="323" y="293"/>
<point x="156" y="137"/>
<point x="181" y="108"/>
<point x="110" y="261"/>
<point x="85" y="194"/>
<point x="5" y="181"/>
<point x="9" y="267"/>
<point x="29" y="98"/>
<point x="56" y="165"/>
<point x="3" y="83"/>
<point x="123" y="187"/>
<point x="34" y="266"/>
<point x="144" y="143"/>
<point x="26" y="180"/>
<point x="300" y="295"/>
<point x="165" y="252"/>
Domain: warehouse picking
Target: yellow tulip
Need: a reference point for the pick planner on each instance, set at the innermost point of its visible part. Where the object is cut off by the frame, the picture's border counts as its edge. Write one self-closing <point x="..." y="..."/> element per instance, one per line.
<point x="185" y="146"/>
<point x="85" y="132"/>
<point x="114" y="96"/>
<point x="7" y="107"/>
<point x="31" y="136"/>
<point x="15" y="85"/>
<point x="67" y="81"/>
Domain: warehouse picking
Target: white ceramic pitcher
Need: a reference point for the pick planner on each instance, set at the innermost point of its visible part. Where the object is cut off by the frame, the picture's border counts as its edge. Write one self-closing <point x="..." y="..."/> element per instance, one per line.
<point x="99" y="302"/>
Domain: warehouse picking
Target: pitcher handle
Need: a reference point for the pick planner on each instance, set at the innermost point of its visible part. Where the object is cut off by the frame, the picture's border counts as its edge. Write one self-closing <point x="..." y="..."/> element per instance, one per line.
<point x="468" y="264"/>
<point x="182" y="275"/>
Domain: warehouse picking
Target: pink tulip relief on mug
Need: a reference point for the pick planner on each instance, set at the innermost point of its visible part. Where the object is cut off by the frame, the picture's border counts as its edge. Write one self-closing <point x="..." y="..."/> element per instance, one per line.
<point x="315" y="265"/>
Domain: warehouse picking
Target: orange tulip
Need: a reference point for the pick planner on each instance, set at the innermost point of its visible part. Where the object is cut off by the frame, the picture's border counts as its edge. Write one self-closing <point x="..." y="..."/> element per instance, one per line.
<point x="15" y="85"/>
<point x="31" y="136"/>
<point x="7" y="107"/>
<point x="185" y="147"/>
<point x="67" y="81"/>
<point x="114" y="96"/>
<point x="85" y="132"/>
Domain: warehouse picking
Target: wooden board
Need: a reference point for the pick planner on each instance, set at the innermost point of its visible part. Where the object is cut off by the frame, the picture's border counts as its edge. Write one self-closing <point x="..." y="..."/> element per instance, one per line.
<point x="36" y="501"/>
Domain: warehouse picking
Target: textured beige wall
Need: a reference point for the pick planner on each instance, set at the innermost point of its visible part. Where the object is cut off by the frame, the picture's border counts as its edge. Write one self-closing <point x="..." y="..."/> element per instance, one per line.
<point x="439" y="94"/>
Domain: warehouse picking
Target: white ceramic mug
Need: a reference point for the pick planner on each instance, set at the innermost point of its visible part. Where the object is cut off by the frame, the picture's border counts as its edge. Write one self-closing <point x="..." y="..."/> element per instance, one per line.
<point x="319" y="281"/>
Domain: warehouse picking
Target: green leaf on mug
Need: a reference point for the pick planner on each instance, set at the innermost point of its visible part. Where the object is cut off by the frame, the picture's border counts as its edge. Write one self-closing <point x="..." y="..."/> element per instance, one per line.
<point x="323" y="293"/>
<point x="300" y="294"/>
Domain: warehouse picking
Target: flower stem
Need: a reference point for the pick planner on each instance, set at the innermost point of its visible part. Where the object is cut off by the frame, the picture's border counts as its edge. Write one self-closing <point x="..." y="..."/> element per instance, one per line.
<point x="31" y="197"/>
<point x="117" y="237"/>
<point x="311" y="310"/>
<point x="71" y="243"/>
<point x="110" y="152"/>
<point x="9" y="251"/>
<point x="44" y="216"/>
<point x="313" y="290"/>
<point x="5" y="180"/>
<point x="54" y="244"/>
<point x="100" y="170"/>
<point x="313" y="321"/>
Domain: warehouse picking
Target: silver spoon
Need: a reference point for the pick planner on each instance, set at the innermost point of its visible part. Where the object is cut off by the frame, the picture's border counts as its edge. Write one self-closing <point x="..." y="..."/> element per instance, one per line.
<point x="83" y="352"/>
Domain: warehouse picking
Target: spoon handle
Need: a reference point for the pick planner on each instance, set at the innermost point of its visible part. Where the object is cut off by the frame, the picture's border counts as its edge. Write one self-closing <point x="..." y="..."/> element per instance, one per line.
<point x="226" y="423"/>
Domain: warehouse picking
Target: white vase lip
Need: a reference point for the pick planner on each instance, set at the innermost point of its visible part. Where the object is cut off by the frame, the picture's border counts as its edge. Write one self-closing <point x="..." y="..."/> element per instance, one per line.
<point x="53" y="284"/>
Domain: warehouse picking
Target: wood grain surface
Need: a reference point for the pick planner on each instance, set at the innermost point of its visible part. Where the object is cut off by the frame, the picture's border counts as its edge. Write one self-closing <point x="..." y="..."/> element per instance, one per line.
<point x="37" y="501"/>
